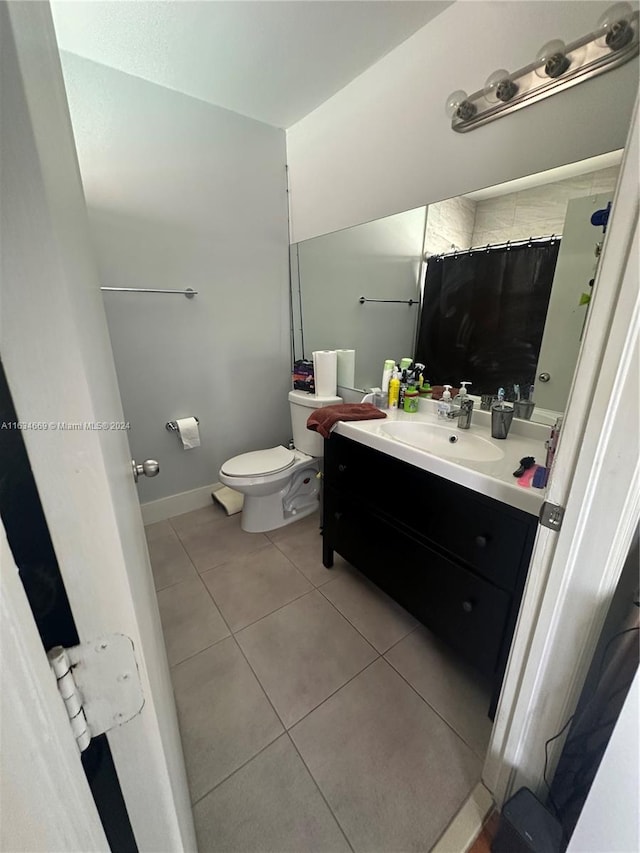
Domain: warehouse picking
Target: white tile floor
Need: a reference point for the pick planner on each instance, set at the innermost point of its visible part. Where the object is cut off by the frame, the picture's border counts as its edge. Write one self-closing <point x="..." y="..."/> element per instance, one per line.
<point x="316" y="715"/>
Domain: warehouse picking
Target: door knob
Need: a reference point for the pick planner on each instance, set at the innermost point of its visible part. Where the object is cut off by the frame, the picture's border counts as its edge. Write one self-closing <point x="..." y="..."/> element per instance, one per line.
<point x="544" y="377"/>
<point x="149" y="468"/>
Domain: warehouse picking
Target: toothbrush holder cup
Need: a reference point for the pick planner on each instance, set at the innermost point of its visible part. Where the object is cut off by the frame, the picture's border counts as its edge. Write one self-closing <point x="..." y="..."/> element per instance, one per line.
<point x="501" y="417"/>
<point x="486" y="401"/>
<point x="523" y="409"/>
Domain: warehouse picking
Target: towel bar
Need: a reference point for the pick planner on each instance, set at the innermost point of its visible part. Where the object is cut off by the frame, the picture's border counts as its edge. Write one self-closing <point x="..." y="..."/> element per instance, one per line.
<point x="364" y="299"/>
<point x="189" y="292"/>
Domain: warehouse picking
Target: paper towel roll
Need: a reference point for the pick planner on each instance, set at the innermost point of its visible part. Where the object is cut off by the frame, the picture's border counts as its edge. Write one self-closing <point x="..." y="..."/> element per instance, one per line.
<point x="346" y="367"/>
<point x="325" y="370"/>
<point x="188" y="432"/>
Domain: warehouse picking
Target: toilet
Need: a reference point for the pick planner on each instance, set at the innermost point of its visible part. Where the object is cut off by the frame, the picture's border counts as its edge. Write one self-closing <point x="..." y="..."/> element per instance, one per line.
<point x="280" y="485"/>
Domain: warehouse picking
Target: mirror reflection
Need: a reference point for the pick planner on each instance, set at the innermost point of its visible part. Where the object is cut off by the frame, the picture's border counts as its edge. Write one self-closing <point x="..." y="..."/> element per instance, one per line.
<point x="502" y="317"/>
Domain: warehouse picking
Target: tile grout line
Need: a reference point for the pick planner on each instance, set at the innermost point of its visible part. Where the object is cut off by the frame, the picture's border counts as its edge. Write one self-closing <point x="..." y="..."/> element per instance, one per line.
<point x="435" y="711"/>
<point x="285" y="731"/>
<point x="237" y="644"/>
<point x="266" y="615"/>
<point x="238" y="769"/>
<point x="190" y="657"/>
<point x="337" y="690"/>
<point x="379" y="654"/>
<point x="175" y="583"/>
<point x="355" y="628"/>
<point x="232" y="560"/>
<point x="188" y="555"/>
<point x="320" y="791"/>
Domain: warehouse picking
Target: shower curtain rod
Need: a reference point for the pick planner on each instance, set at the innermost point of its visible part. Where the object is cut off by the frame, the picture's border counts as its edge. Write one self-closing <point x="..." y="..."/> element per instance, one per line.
<point x="509" y="244"/>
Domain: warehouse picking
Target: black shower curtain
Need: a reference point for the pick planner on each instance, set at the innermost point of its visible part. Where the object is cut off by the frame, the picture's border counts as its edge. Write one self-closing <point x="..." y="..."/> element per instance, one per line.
<point x="483" y="315"/>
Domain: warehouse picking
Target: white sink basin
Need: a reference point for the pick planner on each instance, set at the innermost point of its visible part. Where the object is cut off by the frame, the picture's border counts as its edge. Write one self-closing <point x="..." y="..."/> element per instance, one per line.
<point x="447" y="441"/>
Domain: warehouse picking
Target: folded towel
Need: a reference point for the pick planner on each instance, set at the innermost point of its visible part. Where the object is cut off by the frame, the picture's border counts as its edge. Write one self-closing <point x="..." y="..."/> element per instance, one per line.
<point x="323" y="420"/>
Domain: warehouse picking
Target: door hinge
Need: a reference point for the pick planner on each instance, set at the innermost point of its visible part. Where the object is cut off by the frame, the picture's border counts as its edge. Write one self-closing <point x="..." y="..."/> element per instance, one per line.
<point x="99" y="684"/>
<point x="551" y="515"/>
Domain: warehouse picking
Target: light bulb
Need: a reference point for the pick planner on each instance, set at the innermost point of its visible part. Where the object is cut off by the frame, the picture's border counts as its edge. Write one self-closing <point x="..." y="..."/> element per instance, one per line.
<point x="616" y="26"/>
<point x="454" y="100"/>
<point x="552" y="58"/>
<point x="499" y="87"/>
<point x="459" y="106"/>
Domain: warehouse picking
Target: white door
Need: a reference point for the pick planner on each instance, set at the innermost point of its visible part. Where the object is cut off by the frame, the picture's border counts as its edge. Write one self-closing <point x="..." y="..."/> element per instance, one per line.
<point x="59" y="365"/>
<point x="45" y="800"/>
<point x="574" y="571"/>
<point x="567" y="312"/>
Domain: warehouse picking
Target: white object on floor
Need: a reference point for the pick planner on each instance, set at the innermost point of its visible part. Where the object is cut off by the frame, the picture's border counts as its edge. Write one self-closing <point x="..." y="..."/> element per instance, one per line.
<point x="229" y="499"/>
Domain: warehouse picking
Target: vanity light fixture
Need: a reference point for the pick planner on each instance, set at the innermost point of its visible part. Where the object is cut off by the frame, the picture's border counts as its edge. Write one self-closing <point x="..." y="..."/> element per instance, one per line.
<point x="557" y="67"/>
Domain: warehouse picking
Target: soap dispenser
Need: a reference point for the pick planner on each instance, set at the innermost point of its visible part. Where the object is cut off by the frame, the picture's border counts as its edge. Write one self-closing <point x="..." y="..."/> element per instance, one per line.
<point x="463" y="393"/>
<point x="445" y="405"/>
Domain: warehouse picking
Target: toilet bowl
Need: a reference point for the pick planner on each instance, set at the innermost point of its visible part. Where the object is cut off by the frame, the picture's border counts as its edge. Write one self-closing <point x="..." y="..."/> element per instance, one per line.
<point x="280" y="485"/>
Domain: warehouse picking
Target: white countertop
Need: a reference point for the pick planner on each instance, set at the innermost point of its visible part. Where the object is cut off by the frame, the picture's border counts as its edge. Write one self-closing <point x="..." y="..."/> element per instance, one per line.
<point x="491" y="478"/>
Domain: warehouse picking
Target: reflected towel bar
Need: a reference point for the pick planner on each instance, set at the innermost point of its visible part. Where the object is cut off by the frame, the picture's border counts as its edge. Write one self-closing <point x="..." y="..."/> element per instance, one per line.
<point x="364" y="299"/>
<point x="189" y="292"/>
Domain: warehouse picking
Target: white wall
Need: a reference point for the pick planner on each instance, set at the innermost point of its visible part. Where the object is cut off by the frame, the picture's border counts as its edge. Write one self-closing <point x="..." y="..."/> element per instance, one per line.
<point x="184" y="194"/>
<point x="383" y="144"/>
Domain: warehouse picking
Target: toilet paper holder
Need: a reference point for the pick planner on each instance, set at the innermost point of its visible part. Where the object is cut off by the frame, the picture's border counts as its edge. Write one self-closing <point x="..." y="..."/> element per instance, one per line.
<point x="172" y="426"/>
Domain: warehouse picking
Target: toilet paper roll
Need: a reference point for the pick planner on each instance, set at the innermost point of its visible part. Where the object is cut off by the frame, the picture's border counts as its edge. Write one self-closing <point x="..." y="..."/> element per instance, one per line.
<point x="188" y="432"/>
<point x="346" y="367"/>
<point x="325" y="370"/>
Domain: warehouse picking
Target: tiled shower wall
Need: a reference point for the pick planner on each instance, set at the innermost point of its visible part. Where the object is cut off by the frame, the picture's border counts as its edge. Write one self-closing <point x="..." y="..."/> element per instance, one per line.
<point x="459" y="223"/>
<point x="536" y="212"/>
<point x="449" y="225"/>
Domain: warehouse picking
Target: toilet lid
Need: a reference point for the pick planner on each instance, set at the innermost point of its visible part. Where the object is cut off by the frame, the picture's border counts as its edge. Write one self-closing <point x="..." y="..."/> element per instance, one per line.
<point x="259" y="462"/>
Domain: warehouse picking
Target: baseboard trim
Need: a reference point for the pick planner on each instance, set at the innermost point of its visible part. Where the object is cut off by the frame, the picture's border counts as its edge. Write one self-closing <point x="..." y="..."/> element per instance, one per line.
<point x="163" y="508"/>
<point x="467" y="824"/>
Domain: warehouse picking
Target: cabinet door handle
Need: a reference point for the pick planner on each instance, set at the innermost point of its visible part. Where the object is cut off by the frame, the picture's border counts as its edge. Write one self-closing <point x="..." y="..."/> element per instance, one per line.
<point x="337" y="515"/>
<point x="342" y="468"/>
<point x="467" y="606"/>
<point x="482" y="541"/>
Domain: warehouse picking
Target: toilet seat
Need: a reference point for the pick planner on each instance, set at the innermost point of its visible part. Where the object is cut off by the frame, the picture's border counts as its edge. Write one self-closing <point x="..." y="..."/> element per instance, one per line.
<point x="259" y="463"/>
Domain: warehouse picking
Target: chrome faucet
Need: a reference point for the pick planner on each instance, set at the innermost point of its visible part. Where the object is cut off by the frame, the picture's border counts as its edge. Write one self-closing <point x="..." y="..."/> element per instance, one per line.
<point x="462" y="413"/>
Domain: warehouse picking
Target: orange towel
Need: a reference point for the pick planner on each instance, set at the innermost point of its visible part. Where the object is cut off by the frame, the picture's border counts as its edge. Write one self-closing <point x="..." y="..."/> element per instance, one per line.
<point x="323" y="420"/>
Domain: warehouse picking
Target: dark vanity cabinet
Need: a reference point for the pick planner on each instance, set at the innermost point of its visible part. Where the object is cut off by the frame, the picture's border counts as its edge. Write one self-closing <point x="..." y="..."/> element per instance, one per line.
<point x="455" y="559"/>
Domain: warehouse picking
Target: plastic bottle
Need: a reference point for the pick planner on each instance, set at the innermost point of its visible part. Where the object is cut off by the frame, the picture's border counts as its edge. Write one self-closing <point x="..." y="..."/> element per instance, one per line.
<point x="394" y="389"/>
<point x="425" y="389"/>
<point x="463" y="392"/>
<point x="411" y="399"/>
<point x="403" y="388"/>
<point x="405" y="363"/>
<point x="445" y="405"/>
<point x="387" y="374"/>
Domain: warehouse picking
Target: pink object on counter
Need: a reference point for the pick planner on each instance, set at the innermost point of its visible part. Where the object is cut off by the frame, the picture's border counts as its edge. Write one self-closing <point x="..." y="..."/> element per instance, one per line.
<point x="527" y="477"/>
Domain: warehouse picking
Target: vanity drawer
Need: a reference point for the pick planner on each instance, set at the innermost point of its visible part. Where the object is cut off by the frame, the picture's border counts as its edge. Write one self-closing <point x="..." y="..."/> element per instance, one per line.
<point x="469" y="613"/>
<point x="492" y="538"/>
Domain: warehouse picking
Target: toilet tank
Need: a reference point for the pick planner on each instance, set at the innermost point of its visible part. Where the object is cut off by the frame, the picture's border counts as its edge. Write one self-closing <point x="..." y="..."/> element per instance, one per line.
<point x="301" y="405"/>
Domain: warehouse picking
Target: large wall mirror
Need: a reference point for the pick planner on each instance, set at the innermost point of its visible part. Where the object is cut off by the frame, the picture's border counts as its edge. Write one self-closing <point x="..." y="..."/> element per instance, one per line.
<point x="384" y="263"/>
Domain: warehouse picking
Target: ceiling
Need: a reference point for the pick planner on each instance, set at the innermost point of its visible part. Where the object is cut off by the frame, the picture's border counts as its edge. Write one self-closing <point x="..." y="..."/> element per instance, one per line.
<point x="271" y="60"/>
